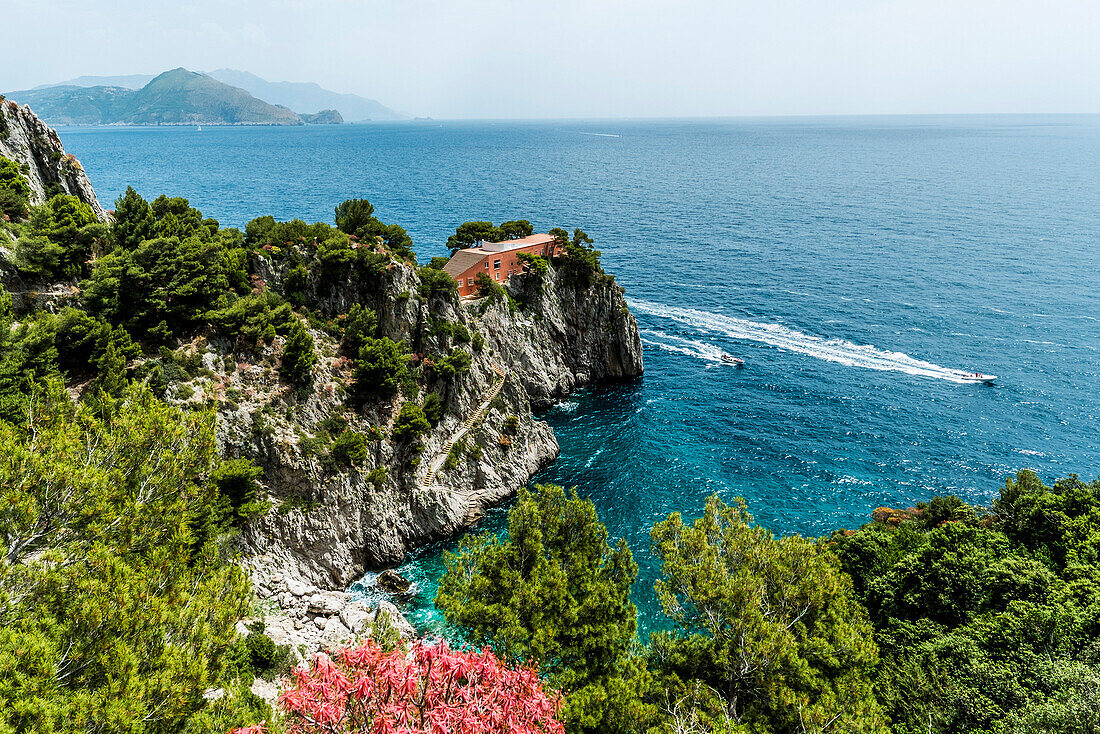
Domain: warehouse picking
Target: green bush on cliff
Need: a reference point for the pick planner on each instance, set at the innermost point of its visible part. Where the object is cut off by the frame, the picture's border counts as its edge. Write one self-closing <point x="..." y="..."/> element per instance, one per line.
<point x="436" y="284"/>
<point x="356" y="217"/>
<point x="63" y="235"/>
<point x="381" y="366"/>
<point x="580" y="262"/>
<point x="350" y="449"/>
<point x="15" y="190"/>
<point x="410" y="423"/>
<point x="298" y="356"/>
<point x="469" y="234"/>
<point x="456" y="363"/>
<point x="168" y="285"/>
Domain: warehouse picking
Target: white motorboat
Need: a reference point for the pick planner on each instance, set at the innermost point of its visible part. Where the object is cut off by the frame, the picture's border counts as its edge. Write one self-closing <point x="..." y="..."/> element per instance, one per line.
<point x="730" y="359"/>
<point x="975" y="377"/>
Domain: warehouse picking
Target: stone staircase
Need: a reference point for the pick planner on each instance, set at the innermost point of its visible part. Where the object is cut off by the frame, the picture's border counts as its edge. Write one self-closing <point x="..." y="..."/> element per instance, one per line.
<point x="467" y="424"/>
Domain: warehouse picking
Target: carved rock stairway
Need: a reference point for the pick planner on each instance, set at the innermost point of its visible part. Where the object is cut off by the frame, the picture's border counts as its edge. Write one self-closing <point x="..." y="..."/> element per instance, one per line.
<point x="467" y="424"/>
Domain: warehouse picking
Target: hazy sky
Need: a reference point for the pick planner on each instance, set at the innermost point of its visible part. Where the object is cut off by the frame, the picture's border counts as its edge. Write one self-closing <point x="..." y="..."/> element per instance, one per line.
<point x="593" y="58"/>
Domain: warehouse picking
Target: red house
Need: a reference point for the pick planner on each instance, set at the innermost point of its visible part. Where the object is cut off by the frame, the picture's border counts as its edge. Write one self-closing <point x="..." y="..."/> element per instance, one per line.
<point x="498" y="260"/>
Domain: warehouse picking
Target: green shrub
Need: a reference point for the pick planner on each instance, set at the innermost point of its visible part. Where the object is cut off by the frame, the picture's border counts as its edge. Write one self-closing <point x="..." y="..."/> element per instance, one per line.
<point x="236" y="480"/>
<point x="254" y="319"/>
<point x="434" y="409"/>
<point x="294" y="286"/>
<point x="267" y="660"/>
<point x="436" y="283"/>
<point x="580" y="262"/>
<point x="536" y="264"/>
<point x="379" y="370"/>
<point x="298" y="355"/>
<point x="377" y="478"/>
<point x="333" y="425"/>
<point x="360" y="325"/>
<point x="410" y="423"/>
<point x="350" y="449"/>
<point x="456" y="363"/>
<point x="15" y="190"/>
<point x="488" y="288"/>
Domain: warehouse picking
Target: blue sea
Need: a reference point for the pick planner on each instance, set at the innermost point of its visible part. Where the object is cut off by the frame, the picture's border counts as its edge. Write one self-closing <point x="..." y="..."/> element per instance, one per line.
<point x="857" y="265"/>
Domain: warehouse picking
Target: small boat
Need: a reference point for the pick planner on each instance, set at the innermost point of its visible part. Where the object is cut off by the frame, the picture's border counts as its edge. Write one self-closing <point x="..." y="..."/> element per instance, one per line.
<point x="976" y="377"/>
<point x="730" y="359"/>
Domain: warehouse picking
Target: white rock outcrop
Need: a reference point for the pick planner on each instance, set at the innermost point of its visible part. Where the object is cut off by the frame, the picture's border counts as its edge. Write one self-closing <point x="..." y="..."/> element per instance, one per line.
<point x="37" y="149"/>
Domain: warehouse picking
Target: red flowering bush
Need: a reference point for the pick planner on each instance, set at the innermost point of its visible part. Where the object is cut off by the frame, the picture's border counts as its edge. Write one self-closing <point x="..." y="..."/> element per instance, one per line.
<point x="429" y="690"/>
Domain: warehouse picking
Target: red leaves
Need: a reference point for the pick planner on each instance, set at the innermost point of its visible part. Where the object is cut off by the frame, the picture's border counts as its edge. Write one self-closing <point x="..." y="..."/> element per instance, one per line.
<point x="431" y="689"/>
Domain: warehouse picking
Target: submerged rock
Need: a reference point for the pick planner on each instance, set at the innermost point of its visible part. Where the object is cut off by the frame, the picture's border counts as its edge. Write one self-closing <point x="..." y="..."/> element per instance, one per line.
<point x="392" y="582"/>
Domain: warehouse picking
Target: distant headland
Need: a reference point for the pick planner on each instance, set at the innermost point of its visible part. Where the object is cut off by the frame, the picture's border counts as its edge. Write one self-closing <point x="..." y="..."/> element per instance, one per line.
<point x="183" y="97"/>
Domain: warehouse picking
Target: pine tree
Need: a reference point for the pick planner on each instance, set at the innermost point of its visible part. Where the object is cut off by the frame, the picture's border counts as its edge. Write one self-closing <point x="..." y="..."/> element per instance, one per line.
<point x="555" y="592"/>
<point x="770" y="626"/>
<point x="133" y="221"/>
<point x="298" y="355"/>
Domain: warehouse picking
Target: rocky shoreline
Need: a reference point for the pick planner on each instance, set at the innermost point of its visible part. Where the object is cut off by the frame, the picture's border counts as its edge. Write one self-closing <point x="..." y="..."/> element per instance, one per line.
<point x="566" y="336"/>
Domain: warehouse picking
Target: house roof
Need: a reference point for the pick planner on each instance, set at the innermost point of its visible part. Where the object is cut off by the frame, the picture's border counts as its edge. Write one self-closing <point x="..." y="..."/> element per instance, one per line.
<point x="506" y="245"/>
<point x="463" y="260"/>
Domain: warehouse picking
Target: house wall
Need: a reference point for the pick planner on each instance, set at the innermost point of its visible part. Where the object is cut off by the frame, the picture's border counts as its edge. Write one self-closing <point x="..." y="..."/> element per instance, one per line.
<point x="500" y="266"/>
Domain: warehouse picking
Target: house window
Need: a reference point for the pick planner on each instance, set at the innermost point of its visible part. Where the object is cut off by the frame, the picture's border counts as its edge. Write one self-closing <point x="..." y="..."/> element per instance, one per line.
<point x="496" y="275"/>
<point x="486" y="264"/>
<point x="469" y="281"/>
<point x="496" y="264"/>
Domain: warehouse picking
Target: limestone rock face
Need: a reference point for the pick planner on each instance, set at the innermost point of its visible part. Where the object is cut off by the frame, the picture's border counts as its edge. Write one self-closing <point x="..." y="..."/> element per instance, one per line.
<point x="310" y="620"/>
<point x="37" y="149"/>
<point x="327" y="527"/>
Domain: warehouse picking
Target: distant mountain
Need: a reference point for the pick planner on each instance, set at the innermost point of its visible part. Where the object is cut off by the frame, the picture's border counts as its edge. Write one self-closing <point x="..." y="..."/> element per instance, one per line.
<point x="71" y="105"/>
<point x="176" y="97"/>
<point x="182" y="96"/>
<point x="308" y="97"/>
<point x="127" y="81"/>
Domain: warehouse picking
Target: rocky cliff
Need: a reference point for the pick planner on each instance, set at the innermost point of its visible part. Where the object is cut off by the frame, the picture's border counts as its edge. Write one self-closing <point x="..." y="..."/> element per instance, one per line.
<point x="549" y="336"/>
<point x="37" y="149"/>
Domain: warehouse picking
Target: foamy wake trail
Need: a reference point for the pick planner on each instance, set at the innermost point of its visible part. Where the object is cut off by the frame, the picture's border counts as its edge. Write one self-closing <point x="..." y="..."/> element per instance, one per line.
<point x="782" y="337"/>
<point x="680" y="345"/>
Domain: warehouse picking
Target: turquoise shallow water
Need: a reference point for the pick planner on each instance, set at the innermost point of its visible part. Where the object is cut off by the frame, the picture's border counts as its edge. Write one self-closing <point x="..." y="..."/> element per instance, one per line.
<point x="856" y="264"/>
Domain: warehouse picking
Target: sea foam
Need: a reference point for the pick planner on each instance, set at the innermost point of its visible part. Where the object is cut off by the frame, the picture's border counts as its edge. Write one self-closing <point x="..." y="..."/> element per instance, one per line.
<point x="782" y="337"/>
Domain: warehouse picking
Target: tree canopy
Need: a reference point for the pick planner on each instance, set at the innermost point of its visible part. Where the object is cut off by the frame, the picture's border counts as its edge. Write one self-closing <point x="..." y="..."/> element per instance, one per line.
<point x="469" y="234"/>
<point x="116" y="610"/>
<point x="987" y="620"/>
<point x="15" y="190"/>
<point x="770" y="625"/>
<point x="555" y="592"/>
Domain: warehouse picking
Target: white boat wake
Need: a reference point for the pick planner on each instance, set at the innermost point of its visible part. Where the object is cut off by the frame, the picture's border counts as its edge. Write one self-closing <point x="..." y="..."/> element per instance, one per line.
<point x="839" y="351"/>
<point x="680" y="345"/>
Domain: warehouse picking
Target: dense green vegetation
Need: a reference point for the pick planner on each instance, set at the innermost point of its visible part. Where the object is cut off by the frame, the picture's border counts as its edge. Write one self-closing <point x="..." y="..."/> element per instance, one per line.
<point x="987" y="620"/>
<point x="469" y="234"/>
<point x="118" y="594"/>
<point x="555" y="592"/>
<point x="941" y="618"/>
<point x="116" y="606"/>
